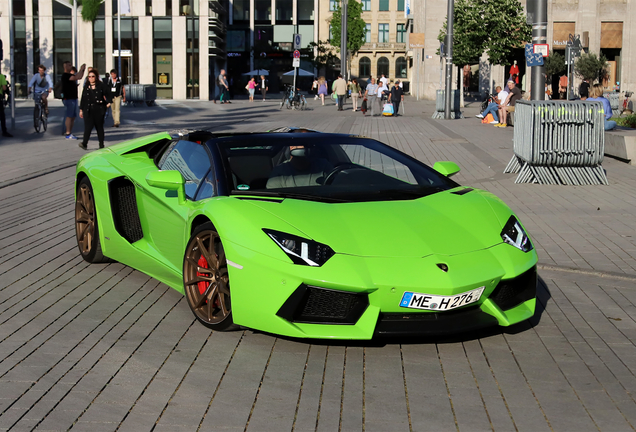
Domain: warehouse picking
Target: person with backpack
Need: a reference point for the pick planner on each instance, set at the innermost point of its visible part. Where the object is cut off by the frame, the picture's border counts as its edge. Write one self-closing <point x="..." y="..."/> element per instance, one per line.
<point x="42" y="85"/>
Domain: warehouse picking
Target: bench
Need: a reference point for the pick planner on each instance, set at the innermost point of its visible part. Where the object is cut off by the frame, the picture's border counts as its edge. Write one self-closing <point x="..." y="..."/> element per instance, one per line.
<point x="621" y="144"/>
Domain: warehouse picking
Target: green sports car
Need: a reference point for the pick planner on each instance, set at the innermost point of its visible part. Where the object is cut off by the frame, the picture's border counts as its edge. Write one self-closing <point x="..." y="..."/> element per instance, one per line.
<point x="306" y="234"/>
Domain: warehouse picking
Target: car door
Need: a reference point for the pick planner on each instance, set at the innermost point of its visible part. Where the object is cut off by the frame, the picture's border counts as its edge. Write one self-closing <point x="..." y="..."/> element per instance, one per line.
<point x="166" y="215"/>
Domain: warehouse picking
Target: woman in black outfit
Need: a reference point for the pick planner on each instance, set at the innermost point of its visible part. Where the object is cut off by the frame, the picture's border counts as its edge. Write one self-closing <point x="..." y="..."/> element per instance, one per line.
<point x="95" y="102"/>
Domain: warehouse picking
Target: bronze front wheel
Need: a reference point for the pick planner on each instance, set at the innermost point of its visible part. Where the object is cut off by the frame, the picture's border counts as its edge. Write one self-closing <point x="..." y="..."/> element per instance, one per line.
<point x="86" y="229"/>
<point x="206" y="280"/>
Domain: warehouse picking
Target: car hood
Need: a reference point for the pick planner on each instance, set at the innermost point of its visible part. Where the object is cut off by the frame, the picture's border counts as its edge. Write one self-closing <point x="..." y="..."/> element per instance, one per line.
<point x="444" y="223"/>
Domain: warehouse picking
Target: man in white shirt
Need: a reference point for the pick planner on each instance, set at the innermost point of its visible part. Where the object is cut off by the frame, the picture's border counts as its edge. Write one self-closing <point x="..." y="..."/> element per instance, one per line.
<point x="384" y="80"/>
<point x="371" y="93"/>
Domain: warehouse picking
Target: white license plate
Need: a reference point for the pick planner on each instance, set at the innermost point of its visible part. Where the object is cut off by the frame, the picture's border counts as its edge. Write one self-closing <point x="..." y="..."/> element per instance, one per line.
<point x="415" y="300"/>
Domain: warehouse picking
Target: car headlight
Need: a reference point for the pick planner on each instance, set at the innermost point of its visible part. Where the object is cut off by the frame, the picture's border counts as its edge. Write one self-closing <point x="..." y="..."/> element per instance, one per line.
<point x="300" y="250"/>
<point x="515" y="236"/>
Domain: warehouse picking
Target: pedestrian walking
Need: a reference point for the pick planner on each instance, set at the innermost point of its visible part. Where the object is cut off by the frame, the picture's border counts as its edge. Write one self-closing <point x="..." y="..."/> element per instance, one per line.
<point x="264" y="86"/>
<point x="322" y="89"/>
<point x="314" y="88"/>
<point x="251" y="87"/>
<point x="371" y="93"/>
<point x="95" y="102"/>
<point x="356" y="92"/>
<point x="396" y="96"/>
<point x="340" y="88"/>
<point x="3" y="120"/>
<point x="117" y="95"/>
<point x="224" y="89"/>
<point x="69" y="96"/>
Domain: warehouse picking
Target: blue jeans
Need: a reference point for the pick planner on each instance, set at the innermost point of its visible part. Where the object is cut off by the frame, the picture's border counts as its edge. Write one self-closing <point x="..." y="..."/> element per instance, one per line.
<point x="493" y="107"/>
<point x="609" y="124"/>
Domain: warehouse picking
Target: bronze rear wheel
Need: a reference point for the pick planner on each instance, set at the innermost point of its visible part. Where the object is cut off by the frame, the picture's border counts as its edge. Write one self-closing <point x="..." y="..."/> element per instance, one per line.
<point x="206" y="280"/>
<point x="86" y="229"/>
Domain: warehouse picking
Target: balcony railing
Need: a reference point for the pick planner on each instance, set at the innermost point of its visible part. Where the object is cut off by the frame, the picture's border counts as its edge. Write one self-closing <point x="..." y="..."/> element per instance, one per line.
<point x="217" y="25"/>
<point x="217" y="6"/>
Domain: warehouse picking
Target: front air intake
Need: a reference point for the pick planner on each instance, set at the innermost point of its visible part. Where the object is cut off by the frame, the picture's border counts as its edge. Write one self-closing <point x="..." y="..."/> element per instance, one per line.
<point x="310" y="304"/>
<point x="512" y="292"/>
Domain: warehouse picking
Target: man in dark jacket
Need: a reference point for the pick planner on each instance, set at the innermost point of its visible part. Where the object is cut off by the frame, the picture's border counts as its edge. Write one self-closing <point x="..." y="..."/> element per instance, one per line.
<point x="263" y="85"/>
<point x="396" y="96"/>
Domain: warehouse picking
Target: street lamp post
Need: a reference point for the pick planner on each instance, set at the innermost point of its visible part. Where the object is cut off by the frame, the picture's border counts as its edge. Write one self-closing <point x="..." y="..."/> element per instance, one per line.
<point x="343" y="39"/>
<point x="539" y="36"/>
<point x="449" y="59"/>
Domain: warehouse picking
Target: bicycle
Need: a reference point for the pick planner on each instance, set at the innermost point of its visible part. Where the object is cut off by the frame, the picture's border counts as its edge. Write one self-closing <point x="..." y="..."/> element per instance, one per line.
<point x="293" y="100"/>
<point x="39" y="115"/>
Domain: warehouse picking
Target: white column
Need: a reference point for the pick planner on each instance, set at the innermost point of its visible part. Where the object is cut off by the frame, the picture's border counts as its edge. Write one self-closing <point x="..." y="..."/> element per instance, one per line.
<point x="159" y="8"/>
<point x="45" y="10"/>
<point x="30" y="34"/>
<point x="110" y="62"/>
<point x="179" y="79"/>
<point x="85" y="42"/>
<point x="294" y="12"/>
<point x="146" y="60"/>
<point x="204" y="56"/>
<point x="273" y="14"/>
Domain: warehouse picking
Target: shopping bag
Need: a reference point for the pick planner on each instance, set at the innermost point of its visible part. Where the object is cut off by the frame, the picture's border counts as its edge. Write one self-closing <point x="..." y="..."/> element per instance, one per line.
<point x="388" y="109"/>
<point x="488" y="119"/>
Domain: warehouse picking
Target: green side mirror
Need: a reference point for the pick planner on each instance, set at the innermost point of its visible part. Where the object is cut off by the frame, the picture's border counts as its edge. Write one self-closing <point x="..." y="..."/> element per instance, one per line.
<point x="170" y="179"/>
<point x="446" y="168"/>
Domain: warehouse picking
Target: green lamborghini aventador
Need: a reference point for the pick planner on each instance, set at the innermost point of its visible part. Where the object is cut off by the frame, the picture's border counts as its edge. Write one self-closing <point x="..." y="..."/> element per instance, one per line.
<point x="306" y="234"/>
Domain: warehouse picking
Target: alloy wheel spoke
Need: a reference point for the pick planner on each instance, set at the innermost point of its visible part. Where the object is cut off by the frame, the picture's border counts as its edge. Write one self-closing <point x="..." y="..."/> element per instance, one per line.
<point x="208" y="255"/>
<point x="199" y="269"/>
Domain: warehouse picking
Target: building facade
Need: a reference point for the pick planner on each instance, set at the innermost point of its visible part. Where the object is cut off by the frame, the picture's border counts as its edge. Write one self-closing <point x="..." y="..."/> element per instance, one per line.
<point x="176" y="44"/>
<point x="604" y="25"/>
<point x="384" y="50"/>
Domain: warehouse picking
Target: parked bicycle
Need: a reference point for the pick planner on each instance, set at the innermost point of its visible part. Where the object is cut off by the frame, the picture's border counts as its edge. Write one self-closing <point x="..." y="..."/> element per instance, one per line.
<point x="293" y="99"/>
<point x="40" y="118"/>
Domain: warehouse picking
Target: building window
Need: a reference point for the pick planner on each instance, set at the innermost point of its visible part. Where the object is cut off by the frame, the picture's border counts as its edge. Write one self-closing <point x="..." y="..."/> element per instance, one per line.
<point x="192" y="59"/>
<point x="36" y="41"/>
<point x="306" y="10"/>
<point x="384" y="5"/>
<point x="401" y="5"/>
<point x="62" y="42"/>
<point x="401" y="33"/>
<point x="383" y="33"/>
<point x="129" y="47"/>
<point x="367" y="33"/>
<point x="333" y="5"/>
<point x="162" y="47"/>
<point x="284" y="11"/>
<point x="241" y="10"/>
<point x="383" y="67"/>
<point x="263" y="10"/>
<point x="364" y="67"/>
<point x="400" y="67"/>
<point x="20" y="56"/>
<point x="366" y="5"/>
<point x="99" y="45"/>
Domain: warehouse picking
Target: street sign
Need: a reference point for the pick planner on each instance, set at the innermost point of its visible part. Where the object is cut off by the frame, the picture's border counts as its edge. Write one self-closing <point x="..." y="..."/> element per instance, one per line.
<point x="297" y="39"/>
<point x="543" y="49"/>
<point x="296" y="62"/>
<point x="296" y="54"/>
<point x="533" y="59"/>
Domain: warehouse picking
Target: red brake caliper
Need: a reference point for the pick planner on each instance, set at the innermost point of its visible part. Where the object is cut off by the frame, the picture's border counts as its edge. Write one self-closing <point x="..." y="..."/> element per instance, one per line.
<point x="203" y="285"/>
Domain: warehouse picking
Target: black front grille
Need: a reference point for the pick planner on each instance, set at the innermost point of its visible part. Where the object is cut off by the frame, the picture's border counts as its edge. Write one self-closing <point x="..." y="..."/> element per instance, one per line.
<point x="433" y="323"/>
<point x="309" y="304"/>
<point x="512" y="292"/>
<point x="123" y="203"/>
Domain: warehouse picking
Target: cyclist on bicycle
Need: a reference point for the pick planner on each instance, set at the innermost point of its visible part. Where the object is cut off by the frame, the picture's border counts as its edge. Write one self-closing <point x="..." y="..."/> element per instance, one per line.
<point x="42" y="85"/>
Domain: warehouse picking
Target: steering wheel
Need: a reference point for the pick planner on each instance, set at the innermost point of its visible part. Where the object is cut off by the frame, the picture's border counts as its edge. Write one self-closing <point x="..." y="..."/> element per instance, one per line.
<point x="336" y="170"/>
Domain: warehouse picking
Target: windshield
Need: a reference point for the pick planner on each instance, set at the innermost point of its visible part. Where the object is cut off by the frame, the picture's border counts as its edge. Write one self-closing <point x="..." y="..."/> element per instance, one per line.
<point x="325" y="167"/>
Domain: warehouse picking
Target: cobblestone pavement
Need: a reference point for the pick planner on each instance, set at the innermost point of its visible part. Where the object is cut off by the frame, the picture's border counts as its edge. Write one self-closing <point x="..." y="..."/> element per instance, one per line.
<point x="104" y="347"/>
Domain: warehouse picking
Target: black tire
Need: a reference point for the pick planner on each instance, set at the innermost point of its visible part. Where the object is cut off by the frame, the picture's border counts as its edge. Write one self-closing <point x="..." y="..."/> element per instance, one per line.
<point x="44" y="120"/>
<point x="206" y="280"/>
<point x="36" y="118"/>
<point x="86" y="228"/>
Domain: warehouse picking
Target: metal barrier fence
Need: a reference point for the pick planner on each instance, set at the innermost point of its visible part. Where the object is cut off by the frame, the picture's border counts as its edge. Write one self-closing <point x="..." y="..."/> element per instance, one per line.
<point x="440" y="105"/>
<point x="141" y="93"/>
<point x="614" y="100"/>
<point x="558" y="143"/>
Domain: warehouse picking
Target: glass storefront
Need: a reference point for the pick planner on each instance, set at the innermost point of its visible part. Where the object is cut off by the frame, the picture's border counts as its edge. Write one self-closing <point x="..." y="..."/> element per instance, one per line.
<point x="162" y="50"/>
<point x="192" y="59"/>
<point x="129" y="49"/>
<point x="99" y="45"/>
<point x="20" y="57"/>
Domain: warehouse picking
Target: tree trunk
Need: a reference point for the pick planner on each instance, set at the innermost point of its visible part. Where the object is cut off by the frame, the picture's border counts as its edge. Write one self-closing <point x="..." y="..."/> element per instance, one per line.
<point x="460" y="89"/>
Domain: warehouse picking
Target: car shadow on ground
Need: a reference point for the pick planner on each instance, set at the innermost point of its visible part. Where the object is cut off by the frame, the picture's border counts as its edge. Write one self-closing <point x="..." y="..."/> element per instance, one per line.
<point x="543" y="296"/>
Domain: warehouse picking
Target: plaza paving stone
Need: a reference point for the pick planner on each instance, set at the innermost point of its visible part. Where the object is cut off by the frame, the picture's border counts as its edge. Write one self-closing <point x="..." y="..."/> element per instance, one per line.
<point x="104" y="347"/>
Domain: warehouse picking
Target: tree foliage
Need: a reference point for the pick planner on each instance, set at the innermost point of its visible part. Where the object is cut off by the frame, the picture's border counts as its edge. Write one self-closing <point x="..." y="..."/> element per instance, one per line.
<point x="554" y="64"/>
<point x="90" y="9"/>
<point x="591" y="67"/>
<point x="324" y="54"/>
<point x="356" y="27"/>
<point x="486" y="26"/>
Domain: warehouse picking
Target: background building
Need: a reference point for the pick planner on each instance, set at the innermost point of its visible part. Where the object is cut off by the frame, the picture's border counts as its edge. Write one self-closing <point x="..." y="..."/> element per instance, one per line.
<point x="384" y="51"/>
<point x="176" y="44"/>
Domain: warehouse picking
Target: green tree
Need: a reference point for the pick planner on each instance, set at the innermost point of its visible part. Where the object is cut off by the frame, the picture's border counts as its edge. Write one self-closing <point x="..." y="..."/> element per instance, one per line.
<point x="554" y="64"/>
<point x="324" y="54"/>
<point x="355" y="27"/>
<point x="497" y="28"/>
<point x="90" y="9"/>
<point x="591" y="67"/>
